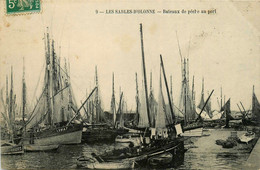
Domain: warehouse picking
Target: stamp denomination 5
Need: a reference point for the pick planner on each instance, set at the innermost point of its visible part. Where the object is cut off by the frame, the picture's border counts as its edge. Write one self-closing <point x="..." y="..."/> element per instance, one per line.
<point x="22" y="6"/>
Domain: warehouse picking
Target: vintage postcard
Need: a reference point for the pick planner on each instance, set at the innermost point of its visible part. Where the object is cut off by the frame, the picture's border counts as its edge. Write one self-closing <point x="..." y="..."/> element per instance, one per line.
<point x="129" y="84"/>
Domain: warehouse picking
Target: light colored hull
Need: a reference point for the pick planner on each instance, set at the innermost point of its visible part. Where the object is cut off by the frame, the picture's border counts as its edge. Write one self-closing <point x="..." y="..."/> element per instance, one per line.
<point x="193" y="133"/>
<point x="12" y="150"/>
<point x="135" y="140"/>
<point x="59" y="139"/>
<point x="246" y="139"/>
<point x="107" y="165"/>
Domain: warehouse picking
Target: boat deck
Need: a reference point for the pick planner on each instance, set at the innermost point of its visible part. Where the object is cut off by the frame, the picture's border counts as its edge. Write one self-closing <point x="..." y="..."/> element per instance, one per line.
<point x="253" y="159"/>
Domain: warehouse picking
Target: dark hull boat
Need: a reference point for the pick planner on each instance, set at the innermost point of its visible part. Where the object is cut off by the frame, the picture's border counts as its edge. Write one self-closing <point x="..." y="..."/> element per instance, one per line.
<point x="162" y="140"/>
<point x="161" y="161"/>
<point x="96" y="127"/>
<point x="101" y="134"/>
<point x="138" y="157"/>
<point x="176" y="148"/>
<point x="254" y="120"/>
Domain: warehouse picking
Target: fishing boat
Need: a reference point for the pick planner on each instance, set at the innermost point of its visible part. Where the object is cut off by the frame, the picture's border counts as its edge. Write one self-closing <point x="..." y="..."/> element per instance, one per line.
<point x="8" y="148"/>
<point x="98" y="133"/>
<point x="247" y="137"/>
<point x="40" y="148"/>
<point x="192" y="117"/>
<point x="142" y="154"/>
<point x="53" y="119"/>
<point x="9" y="136"/>
<point x="254" y="117"/>
<point x="163" y="137"/>
<point x="96" y="129"/>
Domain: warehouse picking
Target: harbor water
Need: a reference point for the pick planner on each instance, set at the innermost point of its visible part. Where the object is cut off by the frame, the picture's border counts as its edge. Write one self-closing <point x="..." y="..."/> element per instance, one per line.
<point x="202" y="153"/>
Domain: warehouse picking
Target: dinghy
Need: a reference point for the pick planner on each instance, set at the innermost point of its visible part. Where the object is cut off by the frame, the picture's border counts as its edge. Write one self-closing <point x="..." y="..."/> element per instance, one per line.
<point x="44" y="148"/>
<point x="247" y="137"/>
<point x="93" y="163"/>
<point x="11" y="149"/>
<point x="193" y="133"/>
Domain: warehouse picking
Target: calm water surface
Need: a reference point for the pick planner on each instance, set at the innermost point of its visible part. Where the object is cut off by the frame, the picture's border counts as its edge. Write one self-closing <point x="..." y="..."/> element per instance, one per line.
<point x="203" y="153"/>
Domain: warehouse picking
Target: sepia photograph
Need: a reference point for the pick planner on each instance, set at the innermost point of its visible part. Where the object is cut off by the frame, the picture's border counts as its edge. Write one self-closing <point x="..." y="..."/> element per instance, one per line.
<point x="87" y="84"/>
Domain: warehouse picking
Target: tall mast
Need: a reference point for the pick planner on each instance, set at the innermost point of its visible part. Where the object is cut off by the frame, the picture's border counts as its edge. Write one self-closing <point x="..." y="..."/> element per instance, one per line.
<point x="11" y="115"/>
<point x="202" y="89"/>
<point x="121" y="111"/>
<point x="137" y="101"/>
<point x="192" y="89"/>
<point x="185" y="93"/>
<point x="171" y="89"/>
<point x="7" y="99"/>
<point x="11" y="96"/>
<point x="221" y="98"/>
<point x="137" y="94"/>
<point x="151" y="82"/>
<point x="23" y="95"/>
<point x="97" y="96"/>
<point x="113" y="100"/>
<point x="167" y="89"/>
<point x="48" y="75"/>
<point x="188" y="76"/>
<point x="53" y="80"/>
<point x="145" y="82"/>
<point x="193" y="96"/>
<point x="253" y="103"/>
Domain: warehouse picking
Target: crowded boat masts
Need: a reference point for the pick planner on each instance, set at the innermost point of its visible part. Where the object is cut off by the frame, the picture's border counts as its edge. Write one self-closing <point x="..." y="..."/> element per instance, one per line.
<point x="153" y="135"/>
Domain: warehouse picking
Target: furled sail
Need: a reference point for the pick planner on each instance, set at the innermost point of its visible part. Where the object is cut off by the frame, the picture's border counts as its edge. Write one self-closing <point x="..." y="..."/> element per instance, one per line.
<point x="226" y="109"/>
<point x="186" y="105"/>
<point x="255" y="108"/>
<point x="56" y="101"/>
<point x="207" y="108"/>
<point x="161" y="112"/>
<point x="38" y="113"/>
<point x="143" y="118"/>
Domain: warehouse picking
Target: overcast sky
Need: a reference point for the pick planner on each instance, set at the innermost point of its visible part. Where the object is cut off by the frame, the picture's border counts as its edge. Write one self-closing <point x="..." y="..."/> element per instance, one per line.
<point x="224" y="47"/>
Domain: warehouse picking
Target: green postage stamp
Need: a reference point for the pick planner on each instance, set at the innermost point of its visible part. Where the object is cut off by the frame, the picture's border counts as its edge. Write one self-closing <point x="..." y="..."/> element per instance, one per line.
<point x="22" y="6"/>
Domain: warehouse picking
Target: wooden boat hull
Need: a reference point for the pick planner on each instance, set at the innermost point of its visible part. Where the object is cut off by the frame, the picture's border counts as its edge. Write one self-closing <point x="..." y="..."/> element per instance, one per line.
<point x="58" y="136"/>
<point x="161" y="160"/>
<point x="91" y="135"/>
<point x="12" y="150"/>
<point x="142" y="158"/>
<point x="193" y="133"/>
<point x="36" y="148"/>
<point x="135" y="140"/>
<point x="90" y="163"/>
<point x="246" y="138"/>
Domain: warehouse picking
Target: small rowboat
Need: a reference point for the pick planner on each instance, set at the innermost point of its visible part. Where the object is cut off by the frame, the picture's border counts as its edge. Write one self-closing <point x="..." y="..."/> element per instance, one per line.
<point x="193" y="132"/>
<point x="92" y="163"/>
<point x="36" y="148"/>
<point x="11" y="149"/>
<point x="247" y="137"/>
